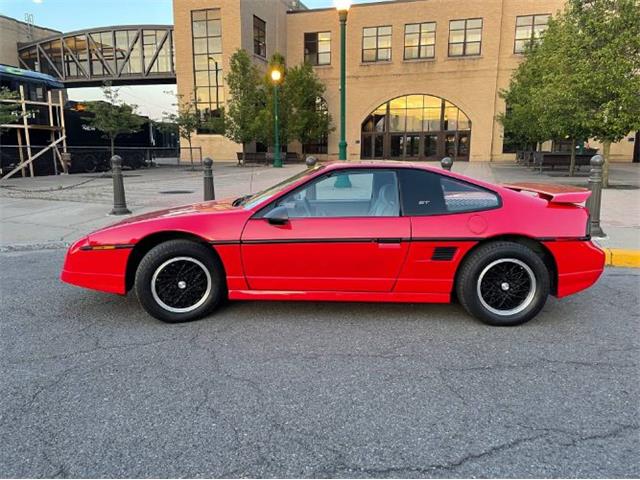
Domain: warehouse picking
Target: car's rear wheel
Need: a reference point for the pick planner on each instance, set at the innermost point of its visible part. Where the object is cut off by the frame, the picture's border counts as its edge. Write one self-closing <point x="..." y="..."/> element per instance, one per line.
<point x="179" y="281"/>
<point x="503" y="284"/>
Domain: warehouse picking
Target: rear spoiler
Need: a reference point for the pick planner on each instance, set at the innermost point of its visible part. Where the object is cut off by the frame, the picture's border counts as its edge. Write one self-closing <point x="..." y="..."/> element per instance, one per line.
<point x="552" y="193"/>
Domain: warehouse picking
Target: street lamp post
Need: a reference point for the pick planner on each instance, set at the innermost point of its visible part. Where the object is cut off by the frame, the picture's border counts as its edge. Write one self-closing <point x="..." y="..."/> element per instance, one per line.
<point x="343" y="10"/>
<point x="276" y="76"/>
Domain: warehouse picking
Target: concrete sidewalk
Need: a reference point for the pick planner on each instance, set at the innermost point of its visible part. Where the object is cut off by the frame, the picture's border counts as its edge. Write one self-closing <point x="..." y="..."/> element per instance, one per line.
<point x="54" y="211"/>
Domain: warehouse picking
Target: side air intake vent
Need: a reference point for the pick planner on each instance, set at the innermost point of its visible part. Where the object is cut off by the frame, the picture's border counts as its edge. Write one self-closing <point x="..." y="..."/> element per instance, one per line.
<point x="443" y="253"/>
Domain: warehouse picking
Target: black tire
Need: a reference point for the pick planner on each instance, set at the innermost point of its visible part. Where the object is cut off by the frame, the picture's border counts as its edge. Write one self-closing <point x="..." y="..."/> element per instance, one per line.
<point x="90" y="163"/>
<point x="196" y="271"/>
<point x="503" y="284"/>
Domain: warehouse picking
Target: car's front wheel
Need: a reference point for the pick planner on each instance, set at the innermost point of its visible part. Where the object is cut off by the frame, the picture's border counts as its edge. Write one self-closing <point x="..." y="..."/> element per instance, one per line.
<point x="179" y="281"/>
<point x="503" y="284"/>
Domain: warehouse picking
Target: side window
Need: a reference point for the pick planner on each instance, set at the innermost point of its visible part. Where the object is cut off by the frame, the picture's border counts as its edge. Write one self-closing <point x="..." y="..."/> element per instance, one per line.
<point x="360" y="189"/>
<point x="346" y="194"/>
<point x="464" y="197"/>
<point x="427" y="193"/>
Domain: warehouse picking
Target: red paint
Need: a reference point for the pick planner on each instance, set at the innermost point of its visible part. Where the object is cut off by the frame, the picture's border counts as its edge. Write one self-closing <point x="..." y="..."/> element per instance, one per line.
<point x="421" y="274"/>
<point x="579" y="265"/>
<point x="322" y="296"/>
<point x="100" y="270"/>
<point x="381" y="259"/>
<point x="350" y="262"/>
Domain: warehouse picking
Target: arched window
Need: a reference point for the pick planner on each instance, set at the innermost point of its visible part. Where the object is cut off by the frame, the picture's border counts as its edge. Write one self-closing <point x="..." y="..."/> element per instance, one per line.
<point x="416" y="127"/>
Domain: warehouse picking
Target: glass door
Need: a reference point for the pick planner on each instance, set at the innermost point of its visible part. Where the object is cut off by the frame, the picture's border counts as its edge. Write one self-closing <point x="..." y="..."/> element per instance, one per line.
<point x="450" y="145"/>
<point x="378" y="145"/>
<point x="366" y="147"/>
<point x="430" y="151"/>
<point x="372" y="146"/>
<point x="412" y="146"/>
<point x="396" y="146"/>
<point x="463" y="146"/>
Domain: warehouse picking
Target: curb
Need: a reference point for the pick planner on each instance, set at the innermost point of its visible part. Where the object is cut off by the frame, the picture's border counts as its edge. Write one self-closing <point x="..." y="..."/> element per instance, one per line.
<point x="618" y="257"/>
<point x="29" y="247"/>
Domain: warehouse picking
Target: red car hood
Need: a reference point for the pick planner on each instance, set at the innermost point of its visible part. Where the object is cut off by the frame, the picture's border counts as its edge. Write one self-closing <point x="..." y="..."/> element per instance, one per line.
<point x="212" y="207"/>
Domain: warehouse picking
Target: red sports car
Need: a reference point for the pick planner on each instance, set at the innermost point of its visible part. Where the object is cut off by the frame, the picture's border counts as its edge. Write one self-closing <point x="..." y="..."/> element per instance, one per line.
<point x="364" y="232"/>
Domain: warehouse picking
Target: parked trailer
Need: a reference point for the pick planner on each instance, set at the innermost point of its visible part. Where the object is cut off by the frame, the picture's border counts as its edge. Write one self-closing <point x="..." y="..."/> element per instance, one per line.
<point x="89" y="148"/>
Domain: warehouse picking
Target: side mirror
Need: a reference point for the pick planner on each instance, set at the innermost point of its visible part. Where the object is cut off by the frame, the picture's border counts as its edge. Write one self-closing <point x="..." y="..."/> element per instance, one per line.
<point x="278" y="216"/>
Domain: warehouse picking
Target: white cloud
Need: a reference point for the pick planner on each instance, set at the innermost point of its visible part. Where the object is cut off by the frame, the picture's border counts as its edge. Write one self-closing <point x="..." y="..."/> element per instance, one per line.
<point x="37" y="1"/>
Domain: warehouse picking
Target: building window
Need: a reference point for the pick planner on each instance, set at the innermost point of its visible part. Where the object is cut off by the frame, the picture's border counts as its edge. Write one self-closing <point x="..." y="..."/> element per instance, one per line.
<point x="317" y="48"/>
<point x="207" y="62"/>
<point x="419" y="40"/>
<point x="259" y="37"/>
<point x="529" y="29"/>
<point x="376" y="44"/>
<point x="418" y="127"/>
<point x="465" y="37"/>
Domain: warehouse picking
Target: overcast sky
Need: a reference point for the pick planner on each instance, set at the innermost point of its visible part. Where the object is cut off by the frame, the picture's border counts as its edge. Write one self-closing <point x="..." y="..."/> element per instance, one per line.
<point x="69" y="15"/>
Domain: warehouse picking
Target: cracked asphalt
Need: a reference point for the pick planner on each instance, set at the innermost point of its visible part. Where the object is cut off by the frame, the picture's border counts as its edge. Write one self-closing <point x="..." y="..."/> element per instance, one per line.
<point x="93" y="387"/>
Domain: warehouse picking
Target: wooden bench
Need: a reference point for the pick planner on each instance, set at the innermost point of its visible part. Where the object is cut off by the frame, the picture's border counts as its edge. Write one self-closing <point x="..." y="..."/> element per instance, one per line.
<point x="292" y="157"/>
<point x="558" y="159"/>
<point x="263" y="157"/>
<point x="252" y="157"/>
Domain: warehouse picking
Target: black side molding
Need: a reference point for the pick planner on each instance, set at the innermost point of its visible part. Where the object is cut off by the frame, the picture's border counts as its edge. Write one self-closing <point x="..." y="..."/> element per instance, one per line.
<point x="443" y="254"/>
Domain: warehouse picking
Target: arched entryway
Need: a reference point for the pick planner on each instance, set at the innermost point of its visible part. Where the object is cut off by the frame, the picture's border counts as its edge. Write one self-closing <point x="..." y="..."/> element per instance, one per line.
<point x="416" y="127"/>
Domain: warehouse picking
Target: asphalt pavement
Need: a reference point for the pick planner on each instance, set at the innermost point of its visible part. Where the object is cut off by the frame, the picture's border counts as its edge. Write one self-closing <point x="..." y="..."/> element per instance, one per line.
<point x="93" y="387"/>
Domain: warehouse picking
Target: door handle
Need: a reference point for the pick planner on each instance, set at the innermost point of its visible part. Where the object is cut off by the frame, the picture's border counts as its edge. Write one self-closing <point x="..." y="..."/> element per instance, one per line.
<point x="389" y="240"/>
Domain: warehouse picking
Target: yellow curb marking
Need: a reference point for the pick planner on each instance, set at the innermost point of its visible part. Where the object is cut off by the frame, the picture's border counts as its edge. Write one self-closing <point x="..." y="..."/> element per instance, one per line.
<point x="618" y="257"/>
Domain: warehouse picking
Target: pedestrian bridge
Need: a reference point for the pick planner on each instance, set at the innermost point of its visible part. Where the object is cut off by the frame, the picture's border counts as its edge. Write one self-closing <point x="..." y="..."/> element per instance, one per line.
<point x="119" y="55"/>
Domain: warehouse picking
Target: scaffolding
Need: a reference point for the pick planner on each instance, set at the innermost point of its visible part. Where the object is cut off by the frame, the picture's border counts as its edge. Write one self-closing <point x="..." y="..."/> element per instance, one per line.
<point x="54" y="124"/>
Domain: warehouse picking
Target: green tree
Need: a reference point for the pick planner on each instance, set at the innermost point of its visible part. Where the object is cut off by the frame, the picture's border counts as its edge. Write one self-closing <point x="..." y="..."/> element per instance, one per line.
<point x="561" y="109"/>
<point x="166" y="127"/>
<point x="113" y="117"/>
<point x="521" y="120"/>
<point x="301" y="113"/>
<point x="243" y="106"/>
<point x="264" y="122"/>
<point x="215" y="124"/>
<point x="582" y="80"/>
<point x="308" y="118"/>
<point x="186" y="120"/>
<point x="9" y="112"/>
<point x="607" y="38"/>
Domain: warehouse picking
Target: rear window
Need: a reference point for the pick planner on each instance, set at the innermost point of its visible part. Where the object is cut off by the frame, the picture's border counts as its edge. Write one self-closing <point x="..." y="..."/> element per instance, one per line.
<point x="428" y="193"/>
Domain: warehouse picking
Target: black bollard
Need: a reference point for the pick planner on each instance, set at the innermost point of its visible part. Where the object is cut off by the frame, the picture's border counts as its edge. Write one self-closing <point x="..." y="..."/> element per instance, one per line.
<point x="595" y="185"/>
<point x="446" y="163"/>
<point x="311" y="161"/>
<point x="119" y="201"/>
<point x="209" y="192"/>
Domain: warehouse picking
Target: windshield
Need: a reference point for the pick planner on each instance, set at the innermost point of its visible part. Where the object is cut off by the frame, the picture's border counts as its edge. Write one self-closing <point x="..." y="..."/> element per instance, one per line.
<point x="251" y="201"/>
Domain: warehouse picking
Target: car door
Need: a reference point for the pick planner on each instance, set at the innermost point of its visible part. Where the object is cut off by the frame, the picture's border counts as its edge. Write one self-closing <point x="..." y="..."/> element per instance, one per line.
<point x="448" y="217"/>
<point x="341" y="232"/>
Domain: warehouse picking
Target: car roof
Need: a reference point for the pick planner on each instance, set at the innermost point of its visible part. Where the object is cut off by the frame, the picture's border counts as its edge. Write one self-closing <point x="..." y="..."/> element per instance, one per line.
<point x="336" y="165"/>
<point x="395" y="164"/>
